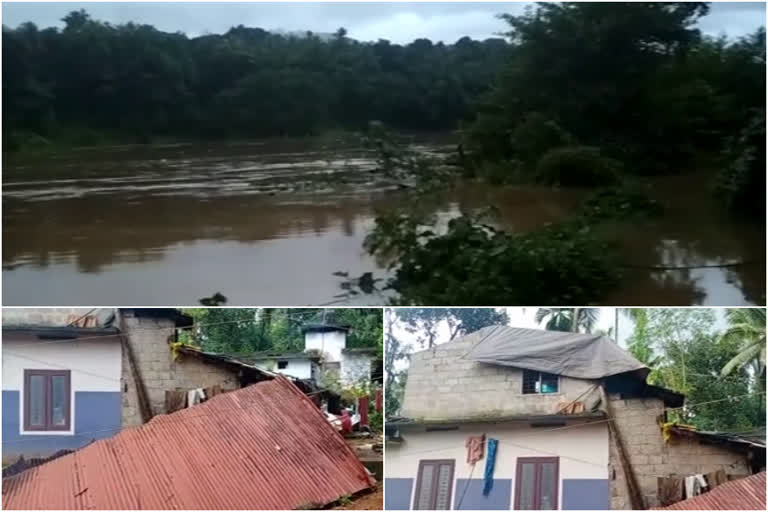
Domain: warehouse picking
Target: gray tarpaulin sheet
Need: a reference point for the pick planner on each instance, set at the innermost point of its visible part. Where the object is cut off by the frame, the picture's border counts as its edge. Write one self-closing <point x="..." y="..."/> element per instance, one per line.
<point x="584" y="356"/>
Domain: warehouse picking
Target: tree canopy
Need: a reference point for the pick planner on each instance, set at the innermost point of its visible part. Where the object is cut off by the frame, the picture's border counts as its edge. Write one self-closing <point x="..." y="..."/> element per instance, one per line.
<point x="248" y="330"/>
<point x="135" y="82"/>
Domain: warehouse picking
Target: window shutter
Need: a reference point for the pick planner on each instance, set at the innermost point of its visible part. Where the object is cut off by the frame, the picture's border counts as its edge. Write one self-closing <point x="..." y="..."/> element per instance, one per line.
<point x="434" y="485"/>
<point x="444" y="485"/>
<point x="424" y="499"/>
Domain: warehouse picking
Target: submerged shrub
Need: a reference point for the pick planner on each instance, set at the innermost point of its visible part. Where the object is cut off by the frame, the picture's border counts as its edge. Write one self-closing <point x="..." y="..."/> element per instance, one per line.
<point x="498" y="172"/>
<point x="577" y="166"/>
<point x="536" y="135"/>
<point x="474" y="263"/>
<point x="621" y="202"/>
<point x="742" y="183"/>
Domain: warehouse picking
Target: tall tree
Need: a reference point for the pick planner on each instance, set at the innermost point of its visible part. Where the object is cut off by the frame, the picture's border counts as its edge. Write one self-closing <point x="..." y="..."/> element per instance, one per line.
<point x="425" y="323"/>
<point x="746" y="327"/>
<point x="561" y="319"/>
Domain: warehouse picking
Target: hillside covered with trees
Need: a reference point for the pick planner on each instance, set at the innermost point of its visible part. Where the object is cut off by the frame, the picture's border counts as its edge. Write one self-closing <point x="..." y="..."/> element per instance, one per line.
<point x="93" y="81"/>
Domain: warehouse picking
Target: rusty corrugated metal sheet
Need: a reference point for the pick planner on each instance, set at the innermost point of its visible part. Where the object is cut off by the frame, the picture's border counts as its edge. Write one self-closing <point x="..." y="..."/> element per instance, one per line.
<point x="266" y="446"/>
<point x="743" y="494"/>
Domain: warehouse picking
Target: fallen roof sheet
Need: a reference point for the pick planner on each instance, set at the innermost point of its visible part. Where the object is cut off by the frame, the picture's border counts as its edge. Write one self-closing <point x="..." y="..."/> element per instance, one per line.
<point x="265" y="446"/>
<point x="743" y="494"/>
<point x="584" y="356"/>
<point x="755" y="441"/>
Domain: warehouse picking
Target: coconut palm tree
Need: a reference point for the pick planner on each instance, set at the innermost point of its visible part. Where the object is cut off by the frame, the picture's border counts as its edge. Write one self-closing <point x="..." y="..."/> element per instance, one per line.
<point x="561" y="319"/>
<point x="748" y="326"/>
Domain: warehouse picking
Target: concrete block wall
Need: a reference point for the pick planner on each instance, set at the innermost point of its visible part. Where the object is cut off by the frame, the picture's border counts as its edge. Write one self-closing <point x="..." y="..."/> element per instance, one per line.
<point x="651" y="457"/>
<point x="355" y="369"/>
<point x="149" y="338"/>
<point x="443" y="385"/>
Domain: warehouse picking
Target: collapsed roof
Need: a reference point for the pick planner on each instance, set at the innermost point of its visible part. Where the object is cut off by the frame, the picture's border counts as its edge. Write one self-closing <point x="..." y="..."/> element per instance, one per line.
<point x="265" y="447"/>
<point x="743" y="494"/>
<point x="583" y="356"/>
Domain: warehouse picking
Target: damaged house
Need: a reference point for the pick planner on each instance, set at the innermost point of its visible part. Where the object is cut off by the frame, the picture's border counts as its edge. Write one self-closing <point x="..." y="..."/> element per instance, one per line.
<point x="72" y="375"/>
<point x="266" y="446"/>
<point x="507" y="418"/>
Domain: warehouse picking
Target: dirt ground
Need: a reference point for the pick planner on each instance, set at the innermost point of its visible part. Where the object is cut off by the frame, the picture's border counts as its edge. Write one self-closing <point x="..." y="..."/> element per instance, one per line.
<point x="372" y="501"/>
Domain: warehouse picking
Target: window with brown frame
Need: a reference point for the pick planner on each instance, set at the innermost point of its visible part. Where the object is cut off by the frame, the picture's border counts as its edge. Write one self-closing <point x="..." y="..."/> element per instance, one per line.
<point x="47" y="400"/>
<point x="537" y="483"/>
<point x="434" y="485"/>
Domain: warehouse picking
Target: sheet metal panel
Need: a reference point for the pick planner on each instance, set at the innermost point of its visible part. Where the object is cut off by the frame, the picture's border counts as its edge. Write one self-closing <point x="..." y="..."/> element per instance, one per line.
<point x="266" y="446"/>
<point x="743" y="494"/>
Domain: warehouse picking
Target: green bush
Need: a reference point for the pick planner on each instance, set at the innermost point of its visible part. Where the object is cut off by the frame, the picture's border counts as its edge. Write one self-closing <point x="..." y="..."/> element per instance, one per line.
<point x="498" y="172"/>
<point x="621" y="202"/>
<point x="473" y="263"/>
<point x="577" y="166"/>
<point x="536" y="135"/>
<point x="742" y="183"/>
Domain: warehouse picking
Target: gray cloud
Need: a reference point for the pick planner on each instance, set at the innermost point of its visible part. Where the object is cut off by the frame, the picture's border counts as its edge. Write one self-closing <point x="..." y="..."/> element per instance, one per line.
<point x="398" y="22"/>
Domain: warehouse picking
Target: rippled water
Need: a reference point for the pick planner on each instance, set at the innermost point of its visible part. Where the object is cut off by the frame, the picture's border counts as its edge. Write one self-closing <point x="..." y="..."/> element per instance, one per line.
<point x="268" y="223"/>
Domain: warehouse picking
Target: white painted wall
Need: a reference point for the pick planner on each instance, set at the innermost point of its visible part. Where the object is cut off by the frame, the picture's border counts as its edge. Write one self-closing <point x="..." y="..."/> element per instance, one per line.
<point x="94" y="364"/>
<point x="329" y="343"/>
<point x="299" y="368"/>
<point x="583" y="450"/>
<point x="355" y="368"/>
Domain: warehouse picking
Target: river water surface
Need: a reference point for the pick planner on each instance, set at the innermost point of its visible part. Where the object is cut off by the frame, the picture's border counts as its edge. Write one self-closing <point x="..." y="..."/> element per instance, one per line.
<point x="268" y="223"/>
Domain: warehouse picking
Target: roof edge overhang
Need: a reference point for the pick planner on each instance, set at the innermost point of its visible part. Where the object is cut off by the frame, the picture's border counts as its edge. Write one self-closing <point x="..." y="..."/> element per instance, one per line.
<point x="324" y="328"/>
<point x="522" y="419"/>
<point x="179" y="318"/>
<point x="47" y="332"/>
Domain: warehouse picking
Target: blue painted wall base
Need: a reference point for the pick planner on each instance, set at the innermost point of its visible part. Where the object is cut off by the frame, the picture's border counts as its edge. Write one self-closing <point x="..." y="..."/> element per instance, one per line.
<point x="469" y="495"/>
<point x="586" y="494"/>
<point x="97" y="415"/>
<point x="397" y="493"/>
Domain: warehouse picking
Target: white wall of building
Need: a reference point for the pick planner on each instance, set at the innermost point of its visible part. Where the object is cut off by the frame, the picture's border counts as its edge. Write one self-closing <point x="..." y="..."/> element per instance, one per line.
<point x="583" y="451"/>
<point x="329" y="343"/>
<point x="299" y="368"/>
<point x="94" y="364"/>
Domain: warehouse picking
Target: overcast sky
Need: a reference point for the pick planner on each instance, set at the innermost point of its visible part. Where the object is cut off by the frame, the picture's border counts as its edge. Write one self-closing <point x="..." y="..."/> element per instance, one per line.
<point x="399" y="22"/>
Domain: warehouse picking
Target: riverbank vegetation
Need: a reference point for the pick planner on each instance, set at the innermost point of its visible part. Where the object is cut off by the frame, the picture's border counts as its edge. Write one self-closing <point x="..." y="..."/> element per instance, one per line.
<point x="628" y="91"/>
<point x="92" y="81"/>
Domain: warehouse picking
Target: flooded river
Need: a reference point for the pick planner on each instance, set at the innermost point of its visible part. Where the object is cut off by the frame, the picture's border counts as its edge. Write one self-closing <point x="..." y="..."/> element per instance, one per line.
<point x="268" y="223"/>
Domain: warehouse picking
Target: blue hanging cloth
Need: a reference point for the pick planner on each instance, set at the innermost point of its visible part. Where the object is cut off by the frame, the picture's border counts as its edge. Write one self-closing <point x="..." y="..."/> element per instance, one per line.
<point x="490" y="463"/>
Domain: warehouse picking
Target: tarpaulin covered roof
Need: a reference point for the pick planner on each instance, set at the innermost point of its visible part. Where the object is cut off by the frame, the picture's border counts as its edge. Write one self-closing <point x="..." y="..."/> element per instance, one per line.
<point x="583" y="356"/>
<point x="265" y="446"/>
<point x="743" y="494"/>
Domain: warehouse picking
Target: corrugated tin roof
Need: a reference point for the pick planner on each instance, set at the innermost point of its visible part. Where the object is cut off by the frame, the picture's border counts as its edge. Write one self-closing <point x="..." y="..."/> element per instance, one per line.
<point x="743" y="494"/>
<point x="265" y="446"/>
<point x="756" y="440"/>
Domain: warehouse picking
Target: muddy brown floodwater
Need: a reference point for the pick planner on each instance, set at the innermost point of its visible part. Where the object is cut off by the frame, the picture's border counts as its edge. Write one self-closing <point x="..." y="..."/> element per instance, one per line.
<point x="269" y="222"/>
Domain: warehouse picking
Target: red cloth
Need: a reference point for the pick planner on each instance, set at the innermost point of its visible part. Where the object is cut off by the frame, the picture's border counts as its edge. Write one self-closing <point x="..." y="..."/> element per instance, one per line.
<point x="346" y="422"/>
<point x="475" y="448"/>
<point x="362" y="405"/>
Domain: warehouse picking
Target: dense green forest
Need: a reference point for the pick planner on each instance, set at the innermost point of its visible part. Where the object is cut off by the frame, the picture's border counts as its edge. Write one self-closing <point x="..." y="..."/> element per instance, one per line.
<point x="92" y="80"/>
<point x="249" y="330"/>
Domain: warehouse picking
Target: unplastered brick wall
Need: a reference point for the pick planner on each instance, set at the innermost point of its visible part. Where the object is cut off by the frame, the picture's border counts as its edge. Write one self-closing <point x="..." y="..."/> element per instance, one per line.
<point x="355" y="368"/>
<point x="149" y="338"/>
<point x="651" y="457"/>
<point x="443" y="385"/>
